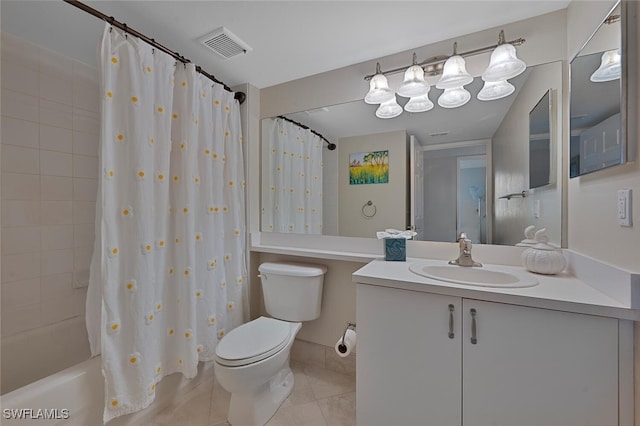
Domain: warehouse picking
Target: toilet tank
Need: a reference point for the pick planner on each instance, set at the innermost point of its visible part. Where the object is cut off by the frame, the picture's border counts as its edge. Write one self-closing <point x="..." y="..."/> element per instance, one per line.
<point x="292" y="291"/>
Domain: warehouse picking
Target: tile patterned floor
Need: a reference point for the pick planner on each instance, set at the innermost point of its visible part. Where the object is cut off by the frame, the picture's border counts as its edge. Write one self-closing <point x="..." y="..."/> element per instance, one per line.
<point x="320" y="397"/>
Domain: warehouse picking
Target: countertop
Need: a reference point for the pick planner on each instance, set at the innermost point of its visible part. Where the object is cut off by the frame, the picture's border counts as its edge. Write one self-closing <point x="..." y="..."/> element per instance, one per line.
<point x="564" y="292"/>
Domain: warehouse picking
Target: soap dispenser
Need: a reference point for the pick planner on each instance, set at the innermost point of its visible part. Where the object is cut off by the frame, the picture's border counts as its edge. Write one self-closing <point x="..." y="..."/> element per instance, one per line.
<point x="543" y="258"/>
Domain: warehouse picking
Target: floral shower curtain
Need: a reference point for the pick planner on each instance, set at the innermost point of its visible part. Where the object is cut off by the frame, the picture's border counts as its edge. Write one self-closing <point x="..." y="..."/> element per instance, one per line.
<point x="292" y="200"/>
<point x="168" y="274"/>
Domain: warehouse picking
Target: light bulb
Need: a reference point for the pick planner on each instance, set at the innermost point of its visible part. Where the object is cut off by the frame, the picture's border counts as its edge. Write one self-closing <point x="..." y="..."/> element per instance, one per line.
<point x="413" y="84"/>
<point x="504" y="64"/>
<point x="454" y="74"/>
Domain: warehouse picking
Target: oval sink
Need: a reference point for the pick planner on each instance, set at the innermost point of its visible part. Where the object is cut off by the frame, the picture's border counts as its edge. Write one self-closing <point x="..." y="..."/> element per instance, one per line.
<point x="485" y="276"/>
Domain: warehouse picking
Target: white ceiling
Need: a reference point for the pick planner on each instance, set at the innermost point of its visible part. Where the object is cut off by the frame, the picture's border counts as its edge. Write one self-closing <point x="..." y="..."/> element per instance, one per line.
<point x="290" y="39"/>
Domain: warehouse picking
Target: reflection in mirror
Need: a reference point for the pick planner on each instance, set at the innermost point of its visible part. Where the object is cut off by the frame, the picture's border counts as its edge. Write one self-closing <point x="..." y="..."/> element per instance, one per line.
<point x="596" y="126"/>
<point x="484" y="145"/>
<point x="540" y="143"/>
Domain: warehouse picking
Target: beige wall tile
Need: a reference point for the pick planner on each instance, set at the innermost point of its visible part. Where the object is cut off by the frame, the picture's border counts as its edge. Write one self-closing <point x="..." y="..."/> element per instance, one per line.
<point x="83" y="235"/>
<point x="56" y="138"/>
<point x="85" y="167"/>
<point x="20" y="106"/>
<point x="57" y="284"/>
<point x="54" y="163"/>
<point x="56" y="89"/>
<point x="55" y="188"/>
<point x="57" y="261"/>
<point x="56" y="114"/>
<point x="19" y="186"/>
<point x="20" y="212"/>
<point x="82" y="259"/>
<point x="20" y="267"/>
<point x="21" y="79"/>
<point x="56" y="237"/>
<point x="86" y="121"/>
<point x="20" y="240"/>
<point x="16" y="159"/>
<point x="16" y="320"/>
<point x="57" y="213"/>
<point x="86" y="96"/>
<point x="79" y="301"/>
<point x="84" y="212"/>
<point x="20" y="293"/>
<point x="19" y="132"/>
<point x="57" y="309"/>
<point x="85" y="189"/>
<point x="86" y="143"/>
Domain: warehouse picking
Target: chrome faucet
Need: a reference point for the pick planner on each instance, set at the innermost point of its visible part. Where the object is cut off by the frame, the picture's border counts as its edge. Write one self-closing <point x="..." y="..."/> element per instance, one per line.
<point x="464" y="259"/>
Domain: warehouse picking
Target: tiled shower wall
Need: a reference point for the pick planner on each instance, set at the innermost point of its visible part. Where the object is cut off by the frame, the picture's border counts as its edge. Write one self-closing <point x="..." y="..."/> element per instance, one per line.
<point x="49" y="134"/>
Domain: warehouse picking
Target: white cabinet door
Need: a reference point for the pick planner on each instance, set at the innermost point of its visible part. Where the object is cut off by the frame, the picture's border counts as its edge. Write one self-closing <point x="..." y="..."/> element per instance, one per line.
<point x="537" y="367"/>
<point x="408" y="366"/>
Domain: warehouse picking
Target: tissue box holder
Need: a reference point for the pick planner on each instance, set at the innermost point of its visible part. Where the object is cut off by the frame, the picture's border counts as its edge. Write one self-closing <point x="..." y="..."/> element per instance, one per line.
<point x="395" y="249"/>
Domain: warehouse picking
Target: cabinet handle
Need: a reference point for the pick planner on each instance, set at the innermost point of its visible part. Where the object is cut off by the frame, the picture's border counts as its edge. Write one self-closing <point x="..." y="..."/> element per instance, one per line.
<point x="451" y="309"/>
<point x="474" y="339"/>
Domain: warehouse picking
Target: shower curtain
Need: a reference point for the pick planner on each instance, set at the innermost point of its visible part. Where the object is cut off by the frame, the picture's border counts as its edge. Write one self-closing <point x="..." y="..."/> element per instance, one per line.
<point x="292" y="199"/>
<point x="168" y="273"/>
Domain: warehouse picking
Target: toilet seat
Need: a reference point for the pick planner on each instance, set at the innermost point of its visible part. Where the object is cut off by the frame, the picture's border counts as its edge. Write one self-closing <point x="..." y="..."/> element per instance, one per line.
<point x="252" y="342"/>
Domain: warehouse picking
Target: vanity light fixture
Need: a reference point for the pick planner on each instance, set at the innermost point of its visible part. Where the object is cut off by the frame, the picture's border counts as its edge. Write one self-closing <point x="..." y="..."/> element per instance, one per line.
<point x="504" y="64"/>
<point x="379" y="91"/>
<point x="609" y="67"/>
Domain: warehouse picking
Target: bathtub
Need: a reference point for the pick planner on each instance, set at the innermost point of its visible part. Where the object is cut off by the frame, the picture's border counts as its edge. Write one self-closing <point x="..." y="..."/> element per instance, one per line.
<point x="75" y="396"/>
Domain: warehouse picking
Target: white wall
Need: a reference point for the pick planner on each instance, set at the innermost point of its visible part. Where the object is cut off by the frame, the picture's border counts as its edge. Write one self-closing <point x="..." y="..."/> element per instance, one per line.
<point x="389" y="199"/>
<point x="511" y="162"/>
<point x="50" y="133"/>
<point x="593" y="228"/>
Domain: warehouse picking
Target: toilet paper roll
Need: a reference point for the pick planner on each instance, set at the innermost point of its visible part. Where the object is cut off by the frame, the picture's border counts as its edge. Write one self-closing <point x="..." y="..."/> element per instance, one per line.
<point x="343" y="349"/>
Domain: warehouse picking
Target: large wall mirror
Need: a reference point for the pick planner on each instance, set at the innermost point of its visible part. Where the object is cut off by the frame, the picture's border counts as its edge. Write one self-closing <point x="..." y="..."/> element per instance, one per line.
<point x="597" y="125"/>
<point x="445" y="171"/>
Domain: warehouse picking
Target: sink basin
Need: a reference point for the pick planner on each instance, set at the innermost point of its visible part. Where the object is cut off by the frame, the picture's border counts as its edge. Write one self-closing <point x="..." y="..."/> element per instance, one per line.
<point x="485" y="276"/>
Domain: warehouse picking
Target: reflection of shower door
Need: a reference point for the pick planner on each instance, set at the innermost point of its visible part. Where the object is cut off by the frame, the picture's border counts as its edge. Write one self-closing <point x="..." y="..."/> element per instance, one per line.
<point x="471" y="197"/>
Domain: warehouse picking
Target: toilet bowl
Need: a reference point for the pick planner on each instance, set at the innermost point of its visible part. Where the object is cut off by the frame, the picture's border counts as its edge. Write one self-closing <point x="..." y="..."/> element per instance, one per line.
<point x="252" y="360"/>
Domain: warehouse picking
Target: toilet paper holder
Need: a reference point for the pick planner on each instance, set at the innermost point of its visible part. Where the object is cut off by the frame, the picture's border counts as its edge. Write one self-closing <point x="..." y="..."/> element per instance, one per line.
<point x="342" y="347"/>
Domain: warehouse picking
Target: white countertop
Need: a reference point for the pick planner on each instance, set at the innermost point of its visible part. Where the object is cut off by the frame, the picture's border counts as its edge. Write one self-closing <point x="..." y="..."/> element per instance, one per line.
<point x="562" y="292"/>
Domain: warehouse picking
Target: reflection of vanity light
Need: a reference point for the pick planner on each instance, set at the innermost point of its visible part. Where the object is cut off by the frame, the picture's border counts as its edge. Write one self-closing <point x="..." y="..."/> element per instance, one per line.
<point x="493" y="90"/>
<point x="389" y="109"/>
<point x="609" y="67"/>
<point x="454" y="98"/>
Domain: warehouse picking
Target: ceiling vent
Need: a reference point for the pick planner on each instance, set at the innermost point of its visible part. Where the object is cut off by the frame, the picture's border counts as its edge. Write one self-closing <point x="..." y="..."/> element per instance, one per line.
<point x="224" y="43"/>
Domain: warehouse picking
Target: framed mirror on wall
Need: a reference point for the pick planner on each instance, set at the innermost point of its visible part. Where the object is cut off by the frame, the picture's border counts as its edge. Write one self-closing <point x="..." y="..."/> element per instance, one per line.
<point x="471" y="187"/>
<point x="598" y="137"/>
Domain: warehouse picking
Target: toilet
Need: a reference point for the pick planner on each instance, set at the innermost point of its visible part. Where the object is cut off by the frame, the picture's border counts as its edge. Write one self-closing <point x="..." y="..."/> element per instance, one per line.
<point x="252" y="360"/>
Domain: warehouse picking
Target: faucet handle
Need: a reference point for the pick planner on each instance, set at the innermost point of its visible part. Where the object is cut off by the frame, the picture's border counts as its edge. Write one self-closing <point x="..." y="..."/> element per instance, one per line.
<point x="462" y="236"/>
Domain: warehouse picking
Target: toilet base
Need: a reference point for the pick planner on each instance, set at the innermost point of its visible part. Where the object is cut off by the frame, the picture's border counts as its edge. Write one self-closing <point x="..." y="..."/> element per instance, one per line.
<point x="257" y="407"/>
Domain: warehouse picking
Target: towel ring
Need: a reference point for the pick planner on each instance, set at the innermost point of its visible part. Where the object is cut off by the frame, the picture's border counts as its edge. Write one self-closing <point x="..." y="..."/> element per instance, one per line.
<point x="369" y="204"/>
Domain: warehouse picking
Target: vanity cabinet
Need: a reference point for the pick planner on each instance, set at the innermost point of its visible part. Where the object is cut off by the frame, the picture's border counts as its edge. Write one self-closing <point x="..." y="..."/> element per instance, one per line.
<point x="429" y="359"/>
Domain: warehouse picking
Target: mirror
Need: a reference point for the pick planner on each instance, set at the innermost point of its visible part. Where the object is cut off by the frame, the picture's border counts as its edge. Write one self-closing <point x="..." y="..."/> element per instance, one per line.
<point x="597" y="136"/>
<point x="485" y="146"/>
<point x="540" y="143"/>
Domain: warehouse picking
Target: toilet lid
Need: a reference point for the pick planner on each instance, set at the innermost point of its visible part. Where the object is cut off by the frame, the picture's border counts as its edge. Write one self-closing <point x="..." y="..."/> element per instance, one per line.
<point x="252" y="342"/>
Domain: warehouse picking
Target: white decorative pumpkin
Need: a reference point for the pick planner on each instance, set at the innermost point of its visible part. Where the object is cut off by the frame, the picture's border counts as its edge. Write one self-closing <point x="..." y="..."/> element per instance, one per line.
<point x="543" y="258"/>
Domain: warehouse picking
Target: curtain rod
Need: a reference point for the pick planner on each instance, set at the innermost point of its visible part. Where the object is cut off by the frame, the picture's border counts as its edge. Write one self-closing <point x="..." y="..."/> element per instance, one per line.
<point x="331" y="146"/>
<point x="239" y="96"/>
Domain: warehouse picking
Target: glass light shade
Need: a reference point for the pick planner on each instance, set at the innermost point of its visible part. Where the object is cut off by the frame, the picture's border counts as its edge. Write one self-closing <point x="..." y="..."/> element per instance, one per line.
<point x="504" y="64"/>
<point x="419" y="104"/>
<point x="379" y="91"/>
<point x="493" y="90"/>
<point x="413" y="84"/>
<point x="454" y="74"/>
<point x="609" y="67"/>
<point x="389" y="109"/>
<point x="454" y="98"/>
